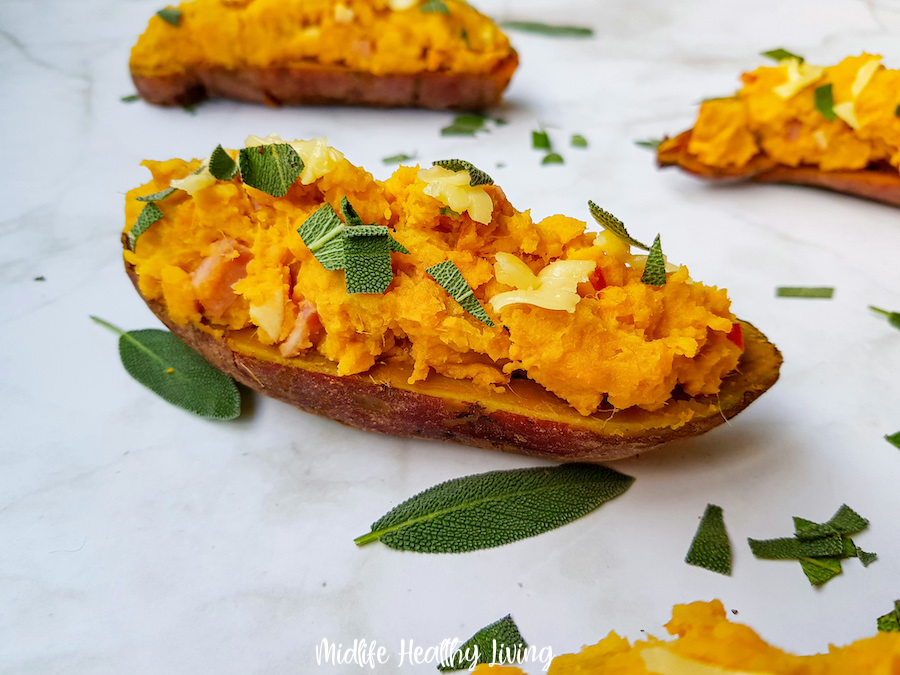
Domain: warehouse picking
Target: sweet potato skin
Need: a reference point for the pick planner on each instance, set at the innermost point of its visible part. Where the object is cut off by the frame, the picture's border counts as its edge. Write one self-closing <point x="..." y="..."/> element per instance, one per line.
<point x="363" y="402"/>
<point x="880" y="185"/>
<point x="313" y="84"/>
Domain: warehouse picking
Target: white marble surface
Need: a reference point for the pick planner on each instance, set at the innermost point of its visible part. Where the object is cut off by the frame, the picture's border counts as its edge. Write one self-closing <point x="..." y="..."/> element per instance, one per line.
<point x="135" y="538"/>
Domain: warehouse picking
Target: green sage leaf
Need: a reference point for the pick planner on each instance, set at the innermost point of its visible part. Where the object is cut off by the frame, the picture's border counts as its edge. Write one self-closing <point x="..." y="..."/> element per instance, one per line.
<point x="447" y="274"/>
<point x="781" y="54"/>
<point x="540" y="140"/>
<point x="550" y="30"/>
<point x="467" y="124"/>
<point x="130" y="98"/>
<point x="552" y="158"/>
<point x="40" y="278"/>
<point x="168" y="367"/>
<point x="789" y="548"/>
<point x="221" y="166"/>
<point x="157" y="196"/>
<point x="825" y="102"/>
<point x="270" y="168"/>
<point x="892" y="317"/>
<point x="845" y="521"/>
<point x="148" y="216"/>
<point x="396" y="159"/>
<point x="609" y="222"/>
<point x="367" y="258"/>
<point x="825" y="292"/>
<point x="396" y="246"/>
<point x="710" y="547"/>
<point x="476" y="175"/>
<point x="820" y="570"/>
<point x="579" y="141"/>
<point x="321" y="233"/>
<point x="480" y="647"/>
<point x="170" y="15"/>
<point x="893" y="439"/>
<point x="891" y="620"/>
<point x="496" y="508"/>
<point x="435" y="6"/>
<point x="897" y="111"/>
<point x="655" y="268"/>
<point x="351" y="217"/>
<point x="649" y="144"/>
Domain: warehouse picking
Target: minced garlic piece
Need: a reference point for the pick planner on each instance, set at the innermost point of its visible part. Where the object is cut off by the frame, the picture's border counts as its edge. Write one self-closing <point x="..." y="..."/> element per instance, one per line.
<point x="799" y="75"/>
<point x="452" y="189"/>
<point x="318" y="158"/>
<point x="554" y="287"/>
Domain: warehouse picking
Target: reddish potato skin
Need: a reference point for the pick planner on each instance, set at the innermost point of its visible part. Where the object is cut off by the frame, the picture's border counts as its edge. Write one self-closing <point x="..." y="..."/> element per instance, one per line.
<point x="880" y="185"/>
<point x="360" y="402"/>
<point x="314" y="84"/>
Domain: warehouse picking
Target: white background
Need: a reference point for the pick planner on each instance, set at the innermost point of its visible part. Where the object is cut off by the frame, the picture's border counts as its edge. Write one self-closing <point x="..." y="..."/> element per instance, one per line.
<point x="135" y="538"/>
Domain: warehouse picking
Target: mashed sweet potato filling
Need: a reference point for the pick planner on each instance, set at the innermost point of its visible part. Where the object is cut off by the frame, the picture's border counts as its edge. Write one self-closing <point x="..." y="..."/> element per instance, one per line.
<point x="775" y="113"/>
<point x="229" y="257"/>
<point x="374" y="36"/>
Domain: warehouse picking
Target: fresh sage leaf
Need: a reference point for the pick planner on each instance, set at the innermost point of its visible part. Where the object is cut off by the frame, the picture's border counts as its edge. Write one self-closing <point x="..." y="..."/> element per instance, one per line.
<point x="221" y="166"/>
<point x="893" y="439"/>
<point x="540" y="140"/>
<point x="781" y="54"/>
<point x="40" y="278"/>
<point x="892" y="317"/>
<point x="270" y="168"/>
<point x="496" y="508"/>
<point x="897" y="111"/>
<point x="501" y="635"/>
<point x="655" y="267"/>
<point x="367" y="255"/>
<point x="552" y="158"/>
<point x="396" y="159"/>
<point x="130" y="98"/>
<point x="396" y="246"/>
<point x="788" y="548"/>
<point x="148" y="216"/>
<point x="435" y="6"/>
<point x="550" y="30"/>
<point x="321" y="233"/>
<point x="609" y="222"/>
<point x="170" y="15"/>
<point x="820" y="570"/>
<point x="579" y="141"/>
<point x="845" y="521"/>
<point x="168" y="367"/>
<point x="351" y="217"/>
<point x="476" y="175"/>
<point x="890" y="621"/>
<point x="449" y="277"/>
<point x="190" y="108"/>
<point x="157" y="196"/>
<point x="649" y="144"/>
<point x="824" y="292"/>
<point x="710" y="547"/>
<point x="467" y="124"/>
<point x="824" y="99"/>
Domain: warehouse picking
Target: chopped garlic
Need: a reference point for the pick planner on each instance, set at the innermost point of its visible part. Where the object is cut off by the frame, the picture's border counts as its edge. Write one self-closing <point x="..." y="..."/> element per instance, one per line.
<point x="318" y="158"/>
<point x="799" y="75"/>
<point x="342" y="13"/>
<point x="452" y="189"/>
<point x="661" y="661"/>
<point x="195" y="181"/>
<point x="557" y="283"/>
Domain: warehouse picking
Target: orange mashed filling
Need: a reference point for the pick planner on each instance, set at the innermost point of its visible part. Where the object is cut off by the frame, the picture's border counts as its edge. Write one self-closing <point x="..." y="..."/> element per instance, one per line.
<point x="363" y="35"/>
<point x="708" y="644"/>
<point x="230" y="257"/>
<point x="775" y="113"/>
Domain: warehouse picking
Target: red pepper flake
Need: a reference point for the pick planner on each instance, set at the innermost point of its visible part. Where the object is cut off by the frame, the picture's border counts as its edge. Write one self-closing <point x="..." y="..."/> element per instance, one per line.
<point x="737" y="335"/>
<point x="597" y="280"/>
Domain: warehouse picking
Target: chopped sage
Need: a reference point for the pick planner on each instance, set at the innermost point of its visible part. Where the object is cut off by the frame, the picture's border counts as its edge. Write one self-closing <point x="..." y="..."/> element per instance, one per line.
<point x="476" y="176"/>
<point x="550" y="30"/>
<point x="824" y="292"/>
<point x="396" y="159"/>
<point x="649" y="144"/>
<point x="609" y="222"/>
<point x="891" y="620"/>
<point x="655" y="267"/>
<point x="781" y="54"/>
<point x="496" y="508"/>
<point x="579" y="141"/>
<point x="221" y="165"/>
<point x="540" y="140"/>
<point x="321" y="233"/>
<point x="130" y="98"/>
<point x="710" y="547"/>
<point x="892" y="317"/>
<point x="168" y="367"/>
<point x="893" y="439"/>
<point x="148" y="216"/>
<point x="436" y="6"/>
<point x="552" y="158"/>
<point x="448" y="276"/>
<point x="482" y="647"/>
<point x="157" y="196"/>
<point x="351" y="217"/>
<point x="824" y="99"/>
<point x="367" y="256"/>
<point x="270" y="168"/>
<point x="170" y="15"/>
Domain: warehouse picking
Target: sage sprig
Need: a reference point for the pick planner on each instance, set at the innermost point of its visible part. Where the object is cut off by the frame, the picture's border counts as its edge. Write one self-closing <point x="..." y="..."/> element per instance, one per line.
<point x="892" y="317"/>
<point x="495" y="508"/>
<point x="609" y="222"/>
<point x="503" y="634"/>
<point x="710" y="547"/>
<point x="168" y="367"/>
<point x="270" y="168"/>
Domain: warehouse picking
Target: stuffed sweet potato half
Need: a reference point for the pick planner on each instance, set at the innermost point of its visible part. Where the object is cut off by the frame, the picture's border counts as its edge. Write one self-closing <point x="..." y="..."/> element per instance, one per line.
<point x="836" y="128"/>
<point x="427" y="306"/>
<point x="439" y="54"/>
